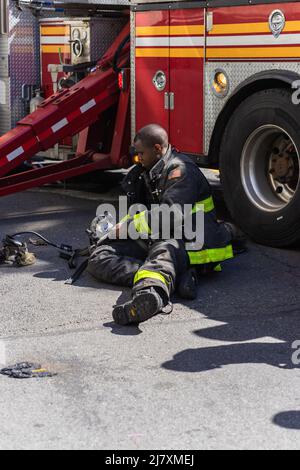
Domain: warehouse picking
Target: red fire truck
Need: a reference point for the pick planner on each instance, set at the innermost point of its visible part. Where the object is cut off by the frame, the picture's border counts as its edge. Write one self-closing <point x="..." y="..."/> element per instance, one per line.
<point x="221" y="76"/>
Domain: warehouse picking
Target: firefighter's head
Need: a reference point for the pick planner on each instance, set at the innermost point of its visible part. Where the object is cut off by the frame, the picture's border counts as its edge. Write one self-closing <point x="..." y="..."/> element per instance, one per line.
<point x="151" y="144"/>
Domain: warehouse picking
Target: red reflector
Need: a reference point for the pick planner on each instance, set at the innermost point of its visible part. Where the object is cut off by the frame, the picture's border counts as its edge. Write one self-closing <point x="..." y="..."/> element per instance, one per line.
<point x="121" y="80"/>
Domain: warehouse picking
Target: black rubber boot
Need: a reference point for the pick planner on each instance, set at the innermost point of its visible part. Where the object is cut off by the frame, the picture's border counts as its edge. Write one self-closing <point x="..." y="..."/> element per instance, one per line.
<point x="187" y="288"/>
<point x="145" y="304"/>
<point x="238" y="238"/>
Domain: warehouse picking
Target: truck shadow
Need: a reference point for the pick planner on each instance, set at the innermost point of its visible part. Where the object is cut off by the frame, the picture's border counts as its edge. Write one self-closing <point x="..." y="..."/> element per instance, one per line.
<point x="206" y="359"/>
<point x="253" y="307"/>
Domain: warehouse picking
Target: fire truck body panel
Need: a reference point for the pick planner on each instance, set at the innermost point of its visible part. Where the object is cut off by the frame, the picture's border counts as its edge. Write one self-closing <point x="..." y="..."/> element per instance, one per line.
<point x="170" y="48"/>
<point x="186" y="72"/>
<point x="240" y="43"/>
<point x="149" y="103"/>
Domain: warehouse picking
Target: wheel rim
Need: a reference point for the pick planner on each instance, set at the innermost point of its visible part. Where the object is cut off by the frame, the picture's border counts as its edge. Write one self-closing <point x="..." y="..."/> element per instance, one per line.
<point x="270" y="168"/>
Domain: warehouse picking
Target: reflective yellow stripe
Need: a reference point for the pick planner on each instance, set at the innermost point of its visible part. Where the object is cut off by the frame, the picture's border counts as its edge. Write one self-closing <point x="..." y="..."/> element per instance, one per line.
<point x="207" y="203"/>
<point x="249" y="52"/>
<point x="149" y="275"/>
<point x="55" y="49"/>
<point x="246" y="28"/>
<point x="152" y="52"/>
<point x="218" y="29"/>
<point x="55" y="30"/>
<point x="187" y="30"/>
<point x="218" y="269"/>
<point x="141" y="224"/>
<point x="212" y="255"/>
<point x="187" y="52"/>
<point x="152" y="30"/>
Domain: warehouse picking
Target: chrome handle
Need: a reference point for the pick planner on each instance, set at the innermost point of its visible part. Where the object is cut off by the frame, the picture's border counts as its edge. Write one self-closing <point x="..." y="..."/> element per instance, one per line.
<point x="167" y="104"/>
<point x="209" y="22"/>
<point x="172" y="101"/>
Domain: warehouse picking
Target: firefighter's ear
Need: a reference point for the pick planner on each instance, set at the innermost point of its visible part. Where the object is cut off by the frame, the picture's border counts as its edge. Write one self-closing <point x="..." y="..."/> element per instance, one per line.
<point x="158" y="149"/>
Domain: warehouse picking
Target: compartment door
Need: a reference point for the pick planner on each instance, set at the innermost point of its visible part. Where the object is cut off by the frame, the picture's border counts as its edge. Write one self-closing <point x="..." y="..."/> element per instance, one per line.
<point x="187" y="35"/>
<point x="152" y="68"/>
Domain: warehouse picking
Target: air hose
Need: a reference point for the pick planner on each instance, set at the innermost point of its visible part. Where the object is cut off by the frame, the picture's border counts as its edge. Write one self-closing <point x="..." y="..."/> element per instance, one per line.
<point x="62" y="247"/>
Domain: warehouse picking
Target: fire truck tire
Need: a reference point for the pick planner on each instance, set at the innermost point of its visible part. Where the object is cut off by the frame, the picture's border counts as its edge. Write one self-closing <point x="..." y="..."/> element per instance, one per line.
<point x="259" y="164"/>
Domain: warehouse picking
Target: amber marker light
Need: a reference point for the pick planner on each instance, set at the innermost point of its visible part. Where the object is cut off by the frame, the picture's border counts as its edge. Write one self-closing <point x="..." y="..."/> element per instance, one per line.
<point x="220" y="84"/>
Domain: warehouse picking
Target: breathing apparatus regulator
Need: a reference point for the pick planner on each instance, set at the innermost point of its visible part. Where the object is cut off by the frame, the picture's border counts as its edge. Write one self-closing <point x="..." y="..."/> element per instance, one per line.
<point x="100" y="227"/>
<point x="14" y="251"/>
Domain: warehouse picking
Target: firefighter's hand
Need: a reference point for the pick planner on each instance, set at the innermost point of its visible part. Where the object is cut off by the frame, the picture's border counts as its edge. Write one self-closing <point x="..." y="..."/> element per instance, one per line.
<point x="118" y="230"/>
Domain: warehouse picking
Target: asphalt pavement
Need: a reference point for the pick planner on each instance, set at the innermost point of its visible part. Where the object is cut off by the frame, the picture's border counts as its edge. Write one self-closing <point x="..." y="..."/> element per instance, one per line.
<point x="218" y="373"/>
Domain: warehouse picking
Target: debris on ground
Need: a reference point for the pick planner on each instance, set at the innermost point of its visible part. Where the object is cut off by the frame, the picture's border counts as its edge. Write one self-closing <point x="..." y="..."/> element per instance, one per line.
<point x="26" y="370"/>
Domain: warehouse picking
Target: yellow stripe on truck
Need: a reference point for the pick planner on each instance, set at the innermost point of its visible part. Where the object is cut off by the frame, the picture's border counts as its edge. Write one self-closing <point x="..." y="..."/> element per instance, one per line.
<point x="218" y="29"/>
<point x="249" y="52"/>
<point x="55" y="49"/>
<point x="245" y="28"/>
<point x="187" y="30"/>
<point x="55" y="30"/>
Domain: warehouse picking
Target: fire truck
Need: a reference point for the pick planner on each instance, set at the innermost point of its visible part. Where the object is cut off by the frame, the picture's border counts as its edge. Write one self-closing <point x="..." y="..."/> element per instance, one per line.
<point x="222" y="77"/>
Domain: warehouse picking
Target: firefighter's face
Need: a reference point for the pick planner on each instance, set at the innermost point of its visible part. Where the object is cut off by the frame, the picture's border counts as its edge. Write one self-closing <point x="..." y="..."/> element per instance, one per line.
<point x="148" y="157"/>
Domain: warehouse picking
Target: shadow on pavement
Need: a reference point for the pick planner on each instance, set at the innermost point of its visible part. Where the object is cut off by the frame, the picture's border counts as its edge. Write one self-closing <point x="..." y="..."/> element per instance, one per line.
<point x="121" y="331"/>
<point x="205" y="359"/>
<point x="256" y="299"/>
<point x="54" y="276"/>
<point x="288" y="420"/>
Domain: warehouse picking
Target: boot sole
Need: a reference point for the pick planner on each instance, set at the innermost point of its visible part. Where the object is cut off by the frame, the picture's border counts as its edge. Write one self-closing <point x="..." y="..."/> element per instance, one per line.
<point x="141" y="309"/>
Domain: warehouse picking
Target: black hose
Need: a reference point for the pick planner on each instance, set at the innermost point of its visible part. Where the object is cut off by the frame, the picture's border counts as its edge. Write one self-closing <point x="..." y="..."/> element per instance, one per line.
<point x="117" y="54"/>
<point x="59" y="247"/>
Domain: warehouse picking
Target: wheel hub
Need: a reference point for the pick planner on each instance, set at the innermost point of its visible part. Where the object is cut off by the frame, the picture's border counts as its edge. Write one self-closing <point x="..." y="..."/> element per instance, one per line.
<point x="270" y="168"/>
<point x="282" y="164"/>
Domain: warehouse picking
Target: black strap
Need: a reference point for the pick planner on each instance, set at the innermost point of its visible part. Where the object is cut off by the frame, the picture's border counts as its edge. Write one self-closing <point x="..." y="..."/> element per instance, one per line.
<point x="79" y="271"/>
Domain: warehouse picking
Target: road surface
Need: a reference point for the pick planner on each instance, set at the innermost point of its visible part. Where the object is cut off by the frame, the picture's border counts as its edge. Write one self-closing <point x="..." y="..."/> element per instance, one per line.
<point x="219" y="373"/>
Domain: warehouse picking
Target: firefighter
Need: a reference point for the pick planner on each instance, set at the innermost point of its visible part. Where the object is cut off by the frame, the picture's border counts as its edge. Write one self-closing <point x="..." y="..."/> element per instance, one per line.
<point x="155" y="267"/>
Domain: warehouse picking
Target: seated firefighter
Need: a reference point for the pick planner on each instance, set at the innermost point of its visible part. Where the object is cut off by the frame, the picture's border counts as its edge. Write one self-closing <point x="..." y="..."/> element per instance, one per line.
<point x="154" y="266"/>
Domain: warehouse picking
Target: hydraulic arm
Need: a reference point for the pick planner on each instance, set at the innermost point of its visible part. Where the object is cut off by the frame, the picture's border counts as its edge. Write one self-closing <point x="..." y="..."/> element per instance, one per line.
<point x="69" y="112"/>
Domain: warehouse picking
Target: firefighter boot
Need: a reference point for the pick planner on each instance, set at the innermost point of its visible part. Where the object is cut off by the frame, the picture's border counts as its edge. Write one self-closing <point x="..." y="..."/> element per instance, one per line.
<point x="145" y="304"/>
<point x="188" y="283"/>
<point x="238" y="238"/>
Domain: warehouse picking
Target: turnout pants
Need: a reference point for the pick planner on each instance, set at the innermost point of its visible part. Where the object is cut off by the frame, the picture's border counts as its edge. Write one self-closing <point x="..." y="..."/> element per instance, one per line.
<point x="140" y="265"/>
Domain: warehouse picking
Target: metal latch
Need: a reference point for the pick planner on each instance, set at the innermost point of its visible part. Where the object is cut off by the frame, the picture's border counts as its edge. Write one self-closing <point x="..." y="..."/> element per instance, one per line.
<point x="170" y="101"/>
<point x="209" y="22"/>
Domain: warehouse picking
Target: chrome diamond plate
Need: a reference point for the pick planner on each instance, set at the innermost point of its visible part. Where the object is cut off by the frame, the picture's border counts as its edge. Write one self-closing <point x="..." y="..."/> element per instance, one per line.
<point x="24" y="63"/>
